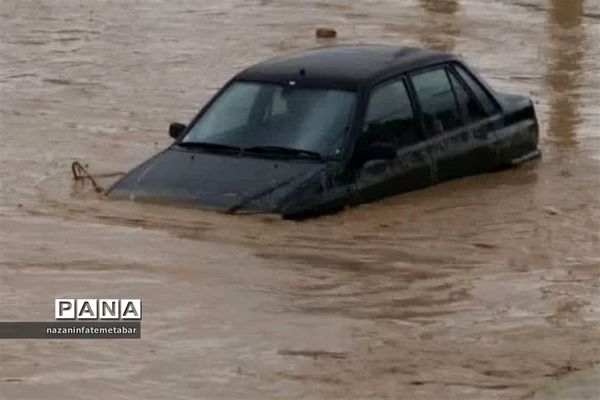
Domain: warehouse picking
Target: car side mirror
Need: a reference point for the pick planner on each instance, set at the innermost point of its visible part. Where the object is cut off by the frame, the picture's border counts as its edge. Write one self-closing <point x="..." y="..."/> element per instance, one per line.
<point x="176" y="129"/>
<point x="375" y="151"/>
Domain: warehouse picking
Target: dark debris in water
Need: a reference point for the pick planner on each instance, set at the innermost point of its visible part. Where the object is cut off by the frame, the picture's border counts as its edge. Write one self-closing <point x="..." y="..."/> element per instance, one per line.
<point x="312" y="353"/>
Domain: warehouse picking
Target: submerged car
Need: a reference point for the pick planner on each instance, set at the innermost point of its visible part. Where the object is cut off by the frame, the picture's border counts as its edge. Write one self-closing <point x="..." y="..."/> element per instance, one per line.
<point x="314" y="132"/>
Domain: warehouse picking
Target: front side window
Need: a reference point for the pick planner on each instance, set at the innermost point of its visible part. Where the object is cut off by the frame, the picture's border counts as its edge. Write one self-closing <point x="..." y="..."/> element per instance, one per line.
<point x="251" y="114"/>
<point x="437" y="100"/>
<point x="390" y="117"/>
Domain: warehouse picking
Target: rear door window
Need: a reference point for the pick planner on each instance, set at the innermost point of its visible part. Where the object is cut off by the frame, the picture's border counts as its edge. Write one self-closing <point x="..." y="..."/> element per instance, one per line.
<point x="487" y="102"/>
<point x="390" y="117"/>
<point x="467" y="103"/>
<point x="437" y="100"/>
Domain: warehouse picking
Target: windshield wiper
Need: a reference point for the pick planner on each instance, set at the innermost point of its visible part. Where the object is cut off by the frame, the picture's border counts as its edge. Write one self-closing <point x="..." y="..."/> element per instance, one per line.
<point x="207" y="145"/>
<point x="287" y="151"/>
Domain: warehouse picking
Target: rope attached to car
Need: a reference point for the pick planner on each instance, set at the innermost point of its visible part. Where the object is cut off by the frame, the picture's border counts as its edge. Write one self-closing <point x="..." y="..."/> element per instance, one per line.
<point x="80" y="173"/>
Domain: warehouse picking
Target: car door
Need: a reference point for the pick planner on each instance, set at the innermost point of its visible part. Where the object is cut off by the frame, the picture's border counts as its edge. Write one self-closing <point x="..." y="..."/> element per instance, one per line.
<point x="442" y="122"/>
<point x="457" y="125"/>
<point x="482" y="117"/>
<point x="390" y="119"/>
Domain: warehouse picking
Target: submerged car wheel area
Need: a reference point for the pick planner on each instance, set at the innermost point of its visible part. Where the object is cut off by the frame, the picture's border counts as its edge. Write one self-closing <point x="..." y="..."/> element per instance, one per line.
<point x="311" y="133"/>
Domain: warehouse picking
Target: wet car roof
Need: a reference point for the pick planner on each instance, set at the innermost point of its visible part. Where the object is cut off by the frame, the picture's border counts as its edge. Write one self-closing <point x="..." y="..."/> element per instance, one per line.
<point x="342" y="66"/>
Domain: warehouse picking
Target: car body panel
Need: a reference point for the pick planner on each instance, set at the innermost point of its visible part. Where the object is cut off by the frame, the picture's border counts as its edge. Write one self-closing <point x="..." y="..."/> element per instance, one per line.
<point x="519" y="133"/>
<point x="221" y="181"/>
<point x="410" y="170"/>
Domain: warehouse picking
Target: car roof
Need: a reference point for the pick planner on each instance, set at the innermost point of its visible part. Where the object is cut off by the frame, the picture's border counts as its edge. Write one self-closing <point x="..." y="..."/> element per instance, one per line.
<point x="342" y="66"/>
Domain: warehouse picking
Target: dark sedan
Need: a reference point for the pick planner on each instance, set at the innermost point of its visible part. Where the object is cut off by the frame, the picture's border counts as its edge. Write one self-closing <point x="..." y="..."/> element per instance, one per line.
<point x="313" y="132"/>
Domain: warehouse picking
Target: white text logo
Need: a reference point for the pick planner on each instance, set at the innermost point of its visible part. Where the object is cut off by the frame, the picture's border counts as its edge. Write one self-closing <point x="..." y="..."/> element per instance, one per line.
<point x="93" y="309"/>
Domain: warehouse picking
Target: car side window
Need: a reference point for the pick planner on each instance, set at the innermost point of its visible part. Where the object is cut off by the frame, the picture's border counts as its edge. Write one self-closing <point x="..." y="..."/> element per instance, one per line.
<point x="390" y="117"/>
<point x="470" y="108"/>
<point x="437" y="100"/>
<point x="484" y="98"/>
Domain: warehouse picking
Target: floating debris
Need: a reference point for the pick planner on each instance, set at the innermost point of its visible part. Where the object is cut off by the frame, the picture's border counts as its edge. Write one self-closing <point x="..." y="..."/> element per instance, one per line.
<point x="326" y="33"/>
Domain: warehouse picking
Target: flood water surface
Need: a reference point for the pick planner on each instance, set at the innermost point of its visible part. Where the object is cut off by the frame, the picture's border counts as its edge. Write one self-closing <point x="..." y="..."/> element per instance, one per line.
<point x="481" y="288"/>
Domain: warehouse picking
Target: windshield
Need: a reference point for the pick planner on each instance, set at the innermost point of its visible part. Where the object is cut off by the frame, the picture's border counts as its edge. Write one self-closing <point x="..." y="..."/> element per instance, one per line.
<point x="251" y="115"/>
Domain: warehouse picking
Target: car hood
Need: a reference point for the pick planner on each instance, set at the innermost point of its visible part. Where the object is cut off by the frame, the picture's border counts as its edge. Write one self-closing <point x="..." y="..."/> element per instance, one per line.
<point x="227" y="182"/>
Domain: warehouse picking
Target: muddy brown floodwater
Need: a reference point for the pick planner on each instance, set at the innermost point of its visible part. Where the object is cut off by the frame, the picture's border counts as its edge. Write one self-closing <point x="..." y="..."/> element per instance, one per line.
<point x="482" y="288"/>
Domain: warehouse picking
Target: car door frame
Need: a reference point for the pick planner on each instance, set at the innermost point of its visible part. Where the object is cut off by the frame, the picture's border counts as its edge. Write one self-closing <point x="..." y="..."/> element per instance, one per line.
<point x="394" y="182"/>
<point x="458" y="152"/>
<point x="484" y="131"/>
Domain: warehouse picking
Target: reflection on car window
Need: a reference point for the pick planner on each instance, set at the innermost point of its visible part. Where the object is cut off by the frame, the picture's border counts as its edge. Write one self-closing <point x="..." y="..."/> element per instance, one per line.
<point x="488" y="104"/>
<point x="469" y="107"/>
<point x="437" y="99"/>
<point x="252" y="114"/>
<point x="390" y="117"/>
<point x="238" y="109"/>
